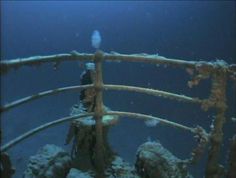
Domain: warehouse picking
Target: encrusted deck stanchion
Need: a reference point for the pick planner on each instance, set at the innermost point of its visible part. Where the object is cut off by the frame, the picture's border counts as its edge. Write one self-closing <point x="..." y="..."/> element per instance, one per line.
<point x="99" y="156"/>
<point x="218" y="101"/>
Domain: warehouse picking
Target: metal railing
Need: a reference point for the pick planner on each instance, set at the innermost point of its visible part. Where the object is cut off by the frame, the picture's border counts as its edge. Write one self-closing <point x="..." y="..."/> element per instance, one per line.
<point x="218" y="70"/>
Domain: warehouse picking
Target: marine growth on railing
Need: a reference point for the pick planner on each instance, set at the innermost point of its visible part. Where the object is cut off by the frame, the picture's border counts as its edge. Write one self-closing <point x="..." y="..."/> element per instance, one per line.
<point x="219" y="71"/>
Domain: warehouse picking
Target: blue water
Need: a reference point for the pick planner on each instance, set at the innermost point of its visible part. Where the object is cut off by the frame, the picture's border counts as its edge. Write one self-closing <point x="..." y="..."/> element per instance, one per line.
<point x="182" y="30"/>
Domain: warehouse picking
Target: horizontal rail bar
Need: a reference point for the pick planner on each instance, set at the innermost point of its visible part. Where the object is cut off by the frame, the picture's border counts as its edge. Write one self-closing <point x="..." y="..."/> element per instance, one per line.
<point x="40" y="128"/>
<point x="69" y="118"/>
<point x="153" y="92"/>
<point x="149" y="58"/>
<point x="148" y="117"/>
<point x="42" y="94"/>
<point x="5" y="65"/>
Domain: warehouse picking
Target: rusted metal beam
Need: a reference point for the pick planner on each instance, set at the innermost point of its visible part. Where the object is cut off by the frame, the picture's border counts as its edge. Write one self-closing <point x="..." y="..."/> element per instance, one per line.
<point x="27" y="99"/>
<point x="6" y="65"/>
<point x="217" y="100"/>
<point x="100" y="156"/>
<point x="153" y="92"/>
<point x="144" y="117"/>
<point x="32" y="132"/>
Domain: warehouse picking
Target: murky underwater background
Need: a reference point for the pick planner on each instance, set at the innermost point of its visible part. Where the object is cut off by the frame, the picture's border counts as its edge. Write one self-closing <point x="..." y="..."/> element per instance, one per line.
<point x="182" y="30"/>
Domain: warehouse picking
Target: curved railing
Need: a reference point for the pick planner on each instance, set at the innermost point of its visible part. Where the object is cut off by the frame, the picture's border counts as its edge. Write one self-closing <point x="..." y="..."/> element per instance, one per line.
<point x="147" y="91"/>
<point x="70" y="118"/>
<point x="219" y="71"/>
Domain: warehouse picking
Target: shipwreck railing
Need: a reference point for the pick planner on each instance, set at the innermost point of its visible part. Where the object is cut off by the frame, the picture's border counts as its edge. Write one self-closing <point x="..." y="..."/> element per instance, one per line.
<point x="218" y="70"/>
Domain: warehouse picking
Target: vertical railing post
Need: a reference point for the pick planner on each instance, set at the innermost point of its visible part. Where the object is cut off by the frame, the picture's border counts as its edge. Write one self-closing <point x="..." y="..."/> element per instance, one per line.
<point x="99" y="153"/>
<point x="218" y="101"/>
<point x="232" y="159"/>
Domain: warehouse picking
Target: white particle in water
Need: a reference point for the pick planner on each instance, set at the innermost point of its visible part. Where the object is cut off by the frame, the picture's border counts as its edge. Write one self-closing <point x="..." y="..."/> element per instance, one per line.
<point x="96" y="39"/>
